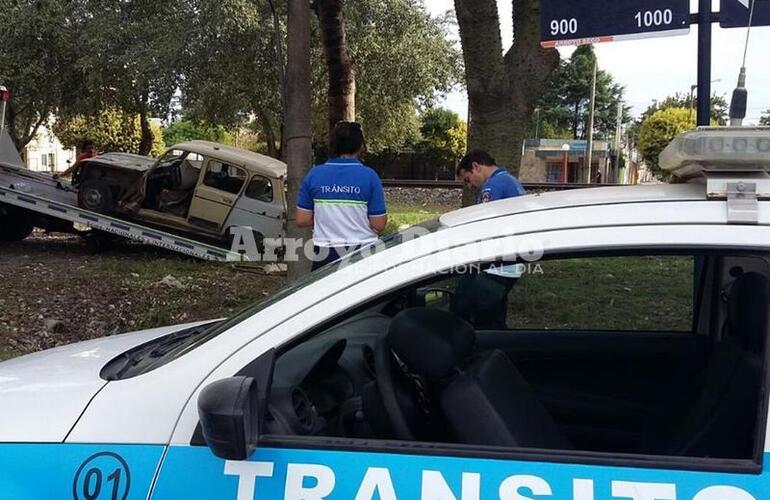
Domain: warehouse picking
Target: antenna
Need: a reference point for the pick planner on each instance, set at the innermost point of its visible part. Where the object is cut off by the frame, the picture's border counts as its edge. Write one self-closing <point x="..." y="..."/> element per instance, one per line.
<point x="740" y="94"/>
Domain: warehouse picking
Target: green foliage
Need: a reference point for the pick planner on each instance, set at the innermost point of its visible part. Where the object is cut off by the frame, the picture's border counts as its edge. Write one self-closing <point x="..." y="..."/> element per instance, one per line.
<point x="401" y="53"/>
<point x="132" y="52"/>
<point x="403" y="58"/>
<point x="444" y="136"/>
<point x="765" y="119"/>
<point x="231" y="70"/>
<point x="719" y="107"/>
<point x="437" y="122"/>
<point x="111" y="129"/>
<point x="188" y="130"/>
<point x="658" y="130"/>
<point x="565" y="103"/>
<point x="37" y="61"/>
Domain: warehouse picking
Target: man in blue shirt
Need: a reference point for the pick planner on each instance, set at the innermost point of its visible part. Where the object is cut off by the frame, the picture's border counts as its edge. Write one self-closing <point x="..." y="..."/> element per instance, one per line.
<point x="482" y="298"/>
<point x="480" y="170"/>
<point x="342" y="199"/>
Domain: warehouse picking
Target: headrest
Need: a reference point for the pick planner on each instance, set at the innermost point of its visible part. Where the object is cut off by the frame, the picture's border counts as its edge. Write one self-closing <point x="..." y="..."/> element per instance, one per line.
<point x="431" y="342"/>
<point x="748" y="310"/>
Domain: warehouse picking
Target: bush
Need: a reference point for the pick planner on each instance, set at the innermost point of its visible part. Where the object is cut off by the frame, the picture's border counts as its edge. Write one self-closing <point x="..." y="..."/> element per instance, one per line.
<point x="658" y="130"/>
<point x="111" y="129"/>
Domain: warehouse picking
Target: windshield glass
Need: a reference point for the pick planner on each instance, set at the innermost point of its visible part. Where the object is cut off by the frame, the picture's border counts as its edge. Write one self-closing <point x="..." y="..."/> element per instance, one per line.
<point x="182" y="344"/>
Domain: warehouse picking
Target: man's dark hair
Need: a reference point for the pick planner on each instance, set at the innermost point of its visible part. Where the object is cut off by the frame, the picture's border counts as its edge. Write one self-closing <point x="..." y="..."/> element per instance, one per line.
<point x="87" y="144"/>
<point x="475" y="156"/>
<point x="348" y="138"/>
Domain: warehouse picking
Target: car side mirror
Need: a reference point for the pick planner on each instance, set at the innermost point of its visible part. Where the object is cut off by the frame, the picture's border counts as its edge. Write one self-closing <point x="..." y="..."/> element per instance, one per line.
<point x="229" y="414"/>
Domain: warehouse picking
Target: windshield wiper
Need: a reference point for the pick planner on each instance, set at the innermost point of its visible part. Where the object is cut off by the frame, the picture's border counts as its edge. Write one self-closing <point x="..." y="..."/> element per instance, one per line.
<point x="120" y="366"/>
<point x="172" y="341"/>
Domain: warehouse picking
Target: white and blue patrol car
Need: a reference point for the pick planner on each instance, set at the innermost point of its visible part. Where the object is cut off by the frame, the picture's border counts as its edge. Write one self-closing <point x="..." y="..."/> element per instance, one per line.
<point x="584" y="345"/>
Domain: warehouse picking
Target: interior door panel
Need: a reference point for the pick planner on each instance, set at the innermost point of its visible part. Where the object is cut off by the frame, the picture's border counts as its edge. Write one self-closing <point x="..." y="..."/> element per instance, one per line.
<point x="607" y="389"/>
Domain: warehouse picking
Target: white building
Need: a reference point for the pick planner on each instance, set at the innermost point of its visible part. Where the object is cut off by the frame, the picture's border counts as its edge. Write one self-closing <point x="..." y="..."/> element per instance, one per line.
<point x="45" y="153"/>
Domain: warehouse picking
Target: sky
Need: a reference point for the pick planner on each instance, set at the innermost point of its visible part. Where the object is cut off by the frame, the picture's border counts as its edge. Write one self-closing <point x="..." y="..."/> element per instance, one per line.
<point x="654" y="68"/>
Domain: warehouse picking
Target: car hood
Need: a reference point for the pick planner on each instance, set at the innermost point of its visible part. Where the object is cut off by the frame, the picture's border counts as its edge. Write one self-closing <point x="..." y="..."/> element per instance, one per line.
<point x="42" y="395"/>
<point x="125" y="160"/>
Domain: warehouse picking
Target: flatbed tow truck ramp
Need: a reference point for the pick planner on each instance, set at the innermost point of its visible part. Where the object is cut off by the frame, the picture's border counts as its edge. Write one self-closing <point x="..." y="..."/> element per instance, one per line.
<point x="30" y="199"/>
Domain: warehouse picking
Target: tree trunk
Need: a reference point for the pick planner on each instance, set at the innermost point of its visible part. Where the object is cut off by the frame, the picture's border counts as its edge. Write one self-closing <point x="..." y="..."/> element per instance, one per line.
<point x="267" y="129"/>
<point x="486" y="79"/>
<point x="145" y="145"/>
<point x="576" y="120"/>
<point x="528" y="66"/>
<point x="502" y="91"/>
<point x="298" y="152"/>
<point x="342" y="75"/>
<point x="28" y="130"/>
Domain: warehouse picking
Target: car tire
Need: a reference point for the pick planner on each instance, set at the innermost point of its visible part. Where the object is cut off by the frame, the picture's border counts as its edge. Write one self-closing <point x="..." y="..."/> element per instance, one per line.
<point x="15" y="224"/>
<point x="96" y="196"/>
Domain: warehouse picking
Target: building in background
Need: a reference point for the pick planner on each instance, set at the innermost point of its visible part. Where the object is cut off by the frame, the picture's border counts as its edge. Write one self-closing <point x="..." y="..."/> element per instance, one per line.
<point x="543" y="161"/>
<point x="45" y="153"/>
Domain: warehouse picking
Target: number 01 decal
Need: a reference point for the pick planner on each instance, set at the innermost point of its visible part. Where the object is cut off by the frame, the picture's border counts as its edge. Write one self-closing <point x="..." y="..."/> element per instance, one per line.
<point x="103" y="476"/>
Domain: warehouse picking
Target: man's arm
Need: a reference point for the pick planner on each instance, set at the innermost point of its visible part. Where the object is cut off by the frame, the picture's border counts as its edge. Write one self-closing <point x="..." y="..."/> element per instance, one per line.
<point x="377" y="212"/>
<point x="378" y="222"/>
<point x="67" y="172"/>
<point x="303" y="218"/>
<point x="303" y="215"/>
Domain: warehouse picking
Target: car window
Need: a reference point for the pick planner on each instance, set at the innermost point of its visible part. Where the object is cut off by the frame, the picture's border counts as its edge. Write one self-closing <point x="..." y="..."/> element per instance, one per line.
<point x="196" y="160"/>
<point x="597" y="364"/>
<point x="260" y="188"/>
<point x="641" y="293"/>
<point x="634" y="293"/>
<point x="224" y="176"/>
<point x="172" y="154"/>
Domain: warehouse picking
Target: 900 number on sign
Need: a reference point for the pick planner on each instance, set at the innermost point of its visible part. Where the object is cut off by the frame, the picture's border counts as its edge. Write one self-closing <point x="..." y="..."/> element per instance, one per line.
<point x="564" y="26"/>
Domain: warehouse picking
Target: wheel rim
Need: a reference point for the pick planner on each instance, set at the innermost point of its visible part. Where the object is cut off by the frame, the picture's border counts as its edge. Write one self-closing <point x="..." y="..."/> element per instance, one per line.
<point x="93" y="198"/>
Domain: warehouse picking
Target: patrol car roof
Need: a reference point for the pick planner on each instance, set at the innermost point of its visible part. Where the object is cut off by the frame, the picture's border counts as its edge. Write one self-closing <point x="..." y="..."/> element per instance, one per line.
<point x="249" y="160"/>
<point x="575" y="198"/>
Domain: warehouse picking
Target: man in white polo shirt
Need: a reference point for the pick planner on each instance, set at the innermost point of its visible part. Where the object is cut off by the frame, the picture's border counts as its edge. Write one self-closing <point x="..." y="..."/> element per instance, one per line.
<point x="342" y="199"/>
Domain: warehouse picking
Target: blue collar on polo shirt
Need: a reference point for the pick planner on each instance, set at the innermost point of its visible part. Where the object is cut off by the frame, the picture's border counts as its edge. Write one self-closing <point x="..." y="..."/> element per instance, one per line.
<point x="343" y="161"/>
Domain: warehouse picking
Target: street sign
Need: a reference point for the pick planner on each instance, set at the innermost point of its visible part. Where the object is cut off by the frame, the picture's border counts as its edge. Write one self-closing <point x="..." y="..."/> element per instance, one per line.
<point x="578" y="22"/>
<point x="735" y="13"/>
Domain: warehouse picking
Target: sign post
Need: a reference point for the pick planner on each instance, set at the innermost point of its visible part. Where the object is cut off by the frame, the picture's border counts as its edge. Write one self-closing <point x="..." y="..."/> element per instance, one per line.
<point x="704" y="63"/>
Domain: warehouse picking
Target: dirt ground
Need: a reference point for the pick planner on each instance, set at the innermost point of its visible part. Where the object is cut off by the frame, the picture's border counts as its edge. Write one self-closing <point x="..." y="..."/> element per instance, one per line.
<point x="53" y="292"/>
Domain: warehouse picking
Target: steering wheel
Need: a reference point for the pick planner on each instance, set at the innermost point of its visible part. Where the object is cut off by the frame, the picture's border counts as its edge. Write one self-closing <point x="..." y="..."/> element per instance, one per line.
<point x="384" y="369"/>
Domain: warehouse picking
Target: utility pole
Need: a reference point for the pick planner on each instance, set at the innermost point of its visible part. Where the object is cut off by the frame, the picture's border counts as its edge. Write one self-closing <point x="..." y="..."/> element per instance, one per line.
<point x="590" y="144"/>
<point x="618" y="127"/>
<point x="4" y="96"/>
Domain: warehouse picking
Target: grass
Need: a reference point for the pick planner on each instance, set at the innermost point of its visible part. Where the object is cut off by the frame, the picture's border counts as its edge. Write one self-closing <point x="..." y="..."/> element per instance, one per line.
<point x="611" y="293"/>
<point x="400" y="216"/>
<point x="198" y="290"/>
<point x="4" y="355"/>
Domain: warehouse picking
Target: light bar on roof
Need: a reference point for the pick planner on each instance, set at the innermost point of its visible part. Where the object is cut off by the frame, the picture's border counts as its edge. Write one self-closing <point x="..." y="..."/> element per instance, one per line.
<point x="718" y="149"/>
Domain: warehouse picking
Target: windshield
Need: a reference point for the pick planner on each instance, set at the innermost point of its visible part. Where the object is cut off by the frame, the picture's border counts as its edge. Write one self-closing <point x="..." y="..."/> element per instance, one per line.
<point x="161" y="351"/>
<point x="385" y="244"/>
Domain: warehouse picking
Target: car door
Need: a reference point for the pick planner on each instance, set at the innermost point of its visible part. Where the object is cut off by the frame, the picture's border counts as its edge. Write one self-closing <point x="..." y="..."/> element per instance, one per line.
<point x="261" y="207"/>
<point x="304" y="466"/>
<point x="218" y="189"/>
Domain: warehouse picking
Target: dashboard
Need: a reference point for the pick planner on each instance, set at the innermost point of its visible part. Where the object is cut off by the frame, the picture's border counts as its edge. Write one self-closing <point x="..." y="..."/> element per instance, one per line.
<point x="319" y="385"/>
